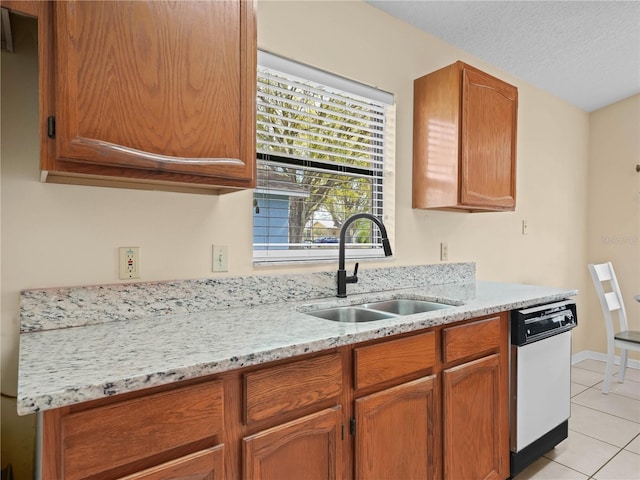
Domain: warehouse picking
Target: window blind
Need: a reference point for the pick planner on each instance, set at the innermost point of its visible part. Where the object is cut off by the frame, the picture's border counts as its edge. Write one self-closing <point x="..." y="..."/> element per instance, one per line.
<point x="321" y="158"/>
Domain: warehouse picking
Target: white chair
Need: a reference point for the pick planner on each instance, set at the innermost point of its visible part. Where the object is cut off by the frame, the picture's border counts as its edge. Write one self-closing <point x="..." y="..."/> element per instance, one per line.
<point x="611" y="301"/>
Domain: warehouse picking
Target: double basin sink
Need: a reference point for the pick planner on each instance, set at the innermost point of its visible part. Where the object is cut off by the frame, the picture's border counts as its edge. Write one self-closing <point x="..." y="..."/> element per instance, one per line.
<point x="369" y="312"/>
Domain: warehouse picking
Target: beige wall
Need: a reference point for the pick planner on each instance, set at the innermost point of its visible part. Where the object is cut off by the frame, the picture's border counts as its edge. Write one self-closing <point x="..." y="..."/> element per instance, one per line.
<point x="614" y="209"/>
<point x="57" y="235"/>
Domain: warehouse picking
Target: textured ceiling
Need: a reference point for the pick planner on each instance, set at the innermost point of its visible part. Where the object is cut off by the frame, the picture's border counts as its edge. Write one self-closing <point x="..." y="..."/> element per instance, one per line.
<point x="586" y="52"/>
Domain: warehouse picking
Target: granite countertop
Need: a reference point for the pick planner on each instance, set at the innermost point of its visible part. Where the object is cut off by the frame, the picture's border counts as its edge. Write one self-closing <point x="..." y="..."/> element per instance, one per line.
<point x="67" y="364"/>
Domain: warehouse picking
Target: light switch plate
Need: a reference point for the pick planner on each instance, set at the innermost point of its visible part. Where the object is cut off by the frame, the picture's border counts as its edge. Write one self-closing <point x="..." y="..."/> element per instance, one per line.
<point x="444" y="251"/>
<point x="220" y="259"/>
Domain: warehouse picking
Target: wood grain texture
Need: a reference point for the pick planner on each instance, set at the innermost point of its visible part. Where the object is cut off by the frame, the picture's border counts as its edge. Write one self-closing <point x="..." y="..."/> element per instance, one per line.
<point x="375" y="364"/>
<point x="309" y="448"/>
<point x="436" y="123"/>
<point x="471" y="339"/>
<point x="52" y="468"/>
<point x="234" y="428"/>
<point x="396" y="432"/>
<point x="107" y="437"/>
<point x="474" y="410"/>
<point x="290" y="387"/>
<point x="488" y="154"/>
<point x="156" y="88"/>
<point x="24" y="7"/>
<point x="464" y="141"/>
<point x="204" y="465"/>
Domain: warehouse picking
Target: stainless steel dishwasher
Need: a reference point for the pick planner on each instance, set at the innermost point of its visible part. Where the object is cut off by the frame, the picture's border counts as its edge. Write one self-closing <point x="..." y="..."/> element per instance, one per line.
<point x="540" y="380"/>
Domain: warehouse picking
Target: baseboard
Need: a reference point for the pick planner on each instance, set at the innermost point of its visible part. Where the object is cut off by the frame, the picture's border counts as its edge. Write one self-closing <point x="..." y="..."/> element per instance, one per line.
<point x="602" y="357"/>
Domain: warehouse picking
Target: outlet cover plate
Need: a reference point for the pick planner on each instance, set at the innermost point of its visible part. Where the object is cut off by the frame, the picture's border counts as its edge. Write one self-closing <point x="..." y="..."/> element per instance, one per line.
<point x="129" y="263"/>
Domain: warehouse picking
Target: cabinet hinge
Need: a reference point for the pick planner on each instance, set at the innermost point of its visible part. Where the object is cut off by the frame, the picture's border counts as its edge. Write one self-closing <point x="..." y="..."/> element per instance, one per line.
<point x="51" y="127"/>
<point x="352" y="426"/>
<point x="342" y="431"/>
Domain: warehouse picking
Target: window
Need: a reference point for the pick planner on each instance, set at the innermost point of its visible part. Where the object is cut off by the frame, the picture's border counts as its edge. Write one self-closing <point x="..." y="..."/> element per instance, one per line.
<point x="324" y="154"/>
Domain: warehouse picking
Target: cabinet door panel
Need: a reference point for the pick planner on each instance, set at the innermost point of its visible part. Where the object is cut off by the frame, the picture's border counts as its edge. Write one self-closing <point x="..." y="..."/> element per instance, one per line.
<point x="309" y="448"/>
<point x="205" y="465"/>
<point x="489" y="117"/>
<point x="395" y="432"/>
<point x="152" y="85"/>
<point x="475" y="412"/>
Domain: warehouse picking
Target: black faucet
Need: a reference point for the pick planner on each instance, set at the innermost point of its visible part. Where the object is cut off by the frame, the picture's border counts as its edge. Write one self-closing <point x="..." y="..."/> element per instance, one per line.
<point x="343" y="279"/>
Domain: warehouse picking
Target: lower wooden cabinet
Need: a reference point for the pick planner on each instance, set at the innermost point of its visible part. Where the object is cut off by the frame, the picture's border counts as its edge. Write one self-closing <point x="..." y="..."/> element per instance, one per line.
<point x="395" y="434"/>
<point x="205" y="465"/>
<point x="309" y="448"/>
<point x="471" y="396"/>
<point x="475" y="410"/>
<point x="427" y="405"/>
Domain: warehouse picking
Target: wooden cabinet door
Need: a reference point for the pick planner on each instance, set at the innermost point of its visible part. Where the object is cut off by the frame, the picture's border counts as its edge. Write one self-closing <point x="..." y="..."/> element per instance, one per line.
<point x="156" y="86"/>
<point x="309" y="448"/>
<point x="464" y="140"/>
<point x="476" y="416"/>
<point x="395" y="432"/>
<point x="488" y="143"/>
<point x="205" y="465"/>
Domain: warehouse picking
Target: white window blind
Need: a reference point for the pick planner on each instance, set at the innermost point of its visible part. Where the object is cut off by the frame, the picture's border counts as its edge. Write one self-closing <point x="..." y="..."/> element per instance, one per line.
<point x="322" y="157"/>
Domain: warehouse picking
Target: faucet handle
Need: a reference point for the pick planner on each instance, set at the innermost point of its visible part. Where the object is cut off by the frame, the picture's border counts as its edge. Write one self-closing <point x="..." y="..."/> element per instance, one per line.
<point x="353" y="278"/>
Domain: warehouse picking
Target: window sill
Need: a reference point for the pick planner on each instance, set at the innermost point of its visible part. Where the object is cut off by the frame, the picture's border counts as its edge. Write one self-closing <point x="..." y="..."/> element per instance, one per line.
<point x="258" y="263"/>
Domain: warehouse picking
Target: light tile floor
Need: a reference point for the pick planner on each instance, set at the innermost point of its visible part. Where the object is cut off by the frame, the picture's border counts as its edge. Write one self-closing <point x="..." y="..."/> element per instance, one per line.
<point x="604" y="430"/>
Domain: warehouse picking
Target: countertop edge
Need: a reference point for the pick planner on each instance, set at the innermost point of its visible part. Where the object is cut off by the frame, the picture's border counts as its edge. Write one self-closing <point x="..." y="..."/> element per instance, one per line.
<point x="32" y="403"/>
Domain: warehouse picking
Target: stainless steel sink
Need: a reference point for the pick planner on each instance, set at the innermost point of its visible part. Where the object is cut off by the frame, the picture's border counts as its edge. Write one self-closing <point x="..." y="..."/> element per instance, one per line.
<point x="351" y="314"/>
<point x="405" y="307"/>
<point x="369" y="312"/>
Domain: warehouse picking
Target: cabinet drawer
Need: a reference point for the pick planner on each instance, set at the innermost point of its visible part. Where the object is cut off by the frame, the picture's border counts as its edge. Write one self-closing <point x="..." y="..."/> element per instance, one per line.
<point x="470" y="339"/>
<point x="290" y="387"/>
<point x="205" y="465"/>
<point x="111" y="436"/>
<point x="394" y="359"/>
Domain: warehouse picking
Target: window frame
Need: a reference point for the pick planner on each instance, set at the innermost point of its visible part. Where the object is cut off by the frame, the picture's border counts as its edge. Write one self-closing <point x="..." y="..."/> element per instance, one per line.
<point x="329" y="253"/>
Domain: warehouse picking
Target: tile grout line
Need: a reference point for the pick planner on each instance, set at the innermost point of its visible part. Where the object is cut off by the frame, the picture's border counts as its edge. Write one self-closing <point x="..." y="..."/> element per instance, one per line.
<point x="608" y="462"/>
<point x="615" y="374"/>
<point x="610" y="393"/>
<point x="602" y="411"/>
<point x="578" y="471"/>
<point x="600" y="440"/>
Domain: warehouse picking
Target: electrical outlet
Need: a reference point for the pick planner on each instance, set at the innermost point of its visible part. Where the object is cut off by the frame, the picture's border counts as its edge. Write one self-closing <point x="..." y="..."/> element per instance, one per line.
<point x="129" y="262"/>
<point x="444" y="251"/>
<point x="220" y="258"/>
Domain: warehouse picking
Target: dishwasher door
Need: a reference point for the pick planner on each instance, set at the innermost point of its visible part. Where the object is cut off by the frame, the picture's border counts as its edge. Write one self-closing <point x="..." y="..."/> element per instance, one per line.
<point x="541" y="389"/>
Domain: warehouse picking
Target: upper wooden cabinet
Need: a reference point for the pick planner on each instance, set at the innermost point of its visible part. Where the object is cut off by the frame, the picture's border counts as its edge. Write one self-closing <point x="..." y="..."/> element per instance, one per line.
<point x="155" y="92"/>
<point x="464" y="141"/>
<point x="30" y="8"/>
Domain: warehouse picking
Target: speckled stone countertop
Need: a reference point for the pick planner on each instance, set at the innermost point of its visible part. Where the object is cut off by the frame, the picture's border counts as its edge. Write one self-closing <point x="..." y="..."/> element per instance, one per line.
<point x="130" y="344"/>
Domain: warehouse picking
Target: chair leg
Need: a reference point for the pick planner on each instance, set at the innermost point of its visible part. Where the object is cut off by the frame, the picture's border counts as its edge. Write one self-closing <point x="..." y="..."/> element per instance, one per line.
<point x="608" y="370"/>
<point x="623" y="364"/>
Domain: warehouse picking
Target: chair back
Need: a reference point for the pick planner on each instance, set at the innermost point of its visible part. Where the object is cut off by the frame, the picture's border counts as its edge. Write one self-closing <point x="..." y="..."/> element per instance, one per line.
<point x="610" y="297"/>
